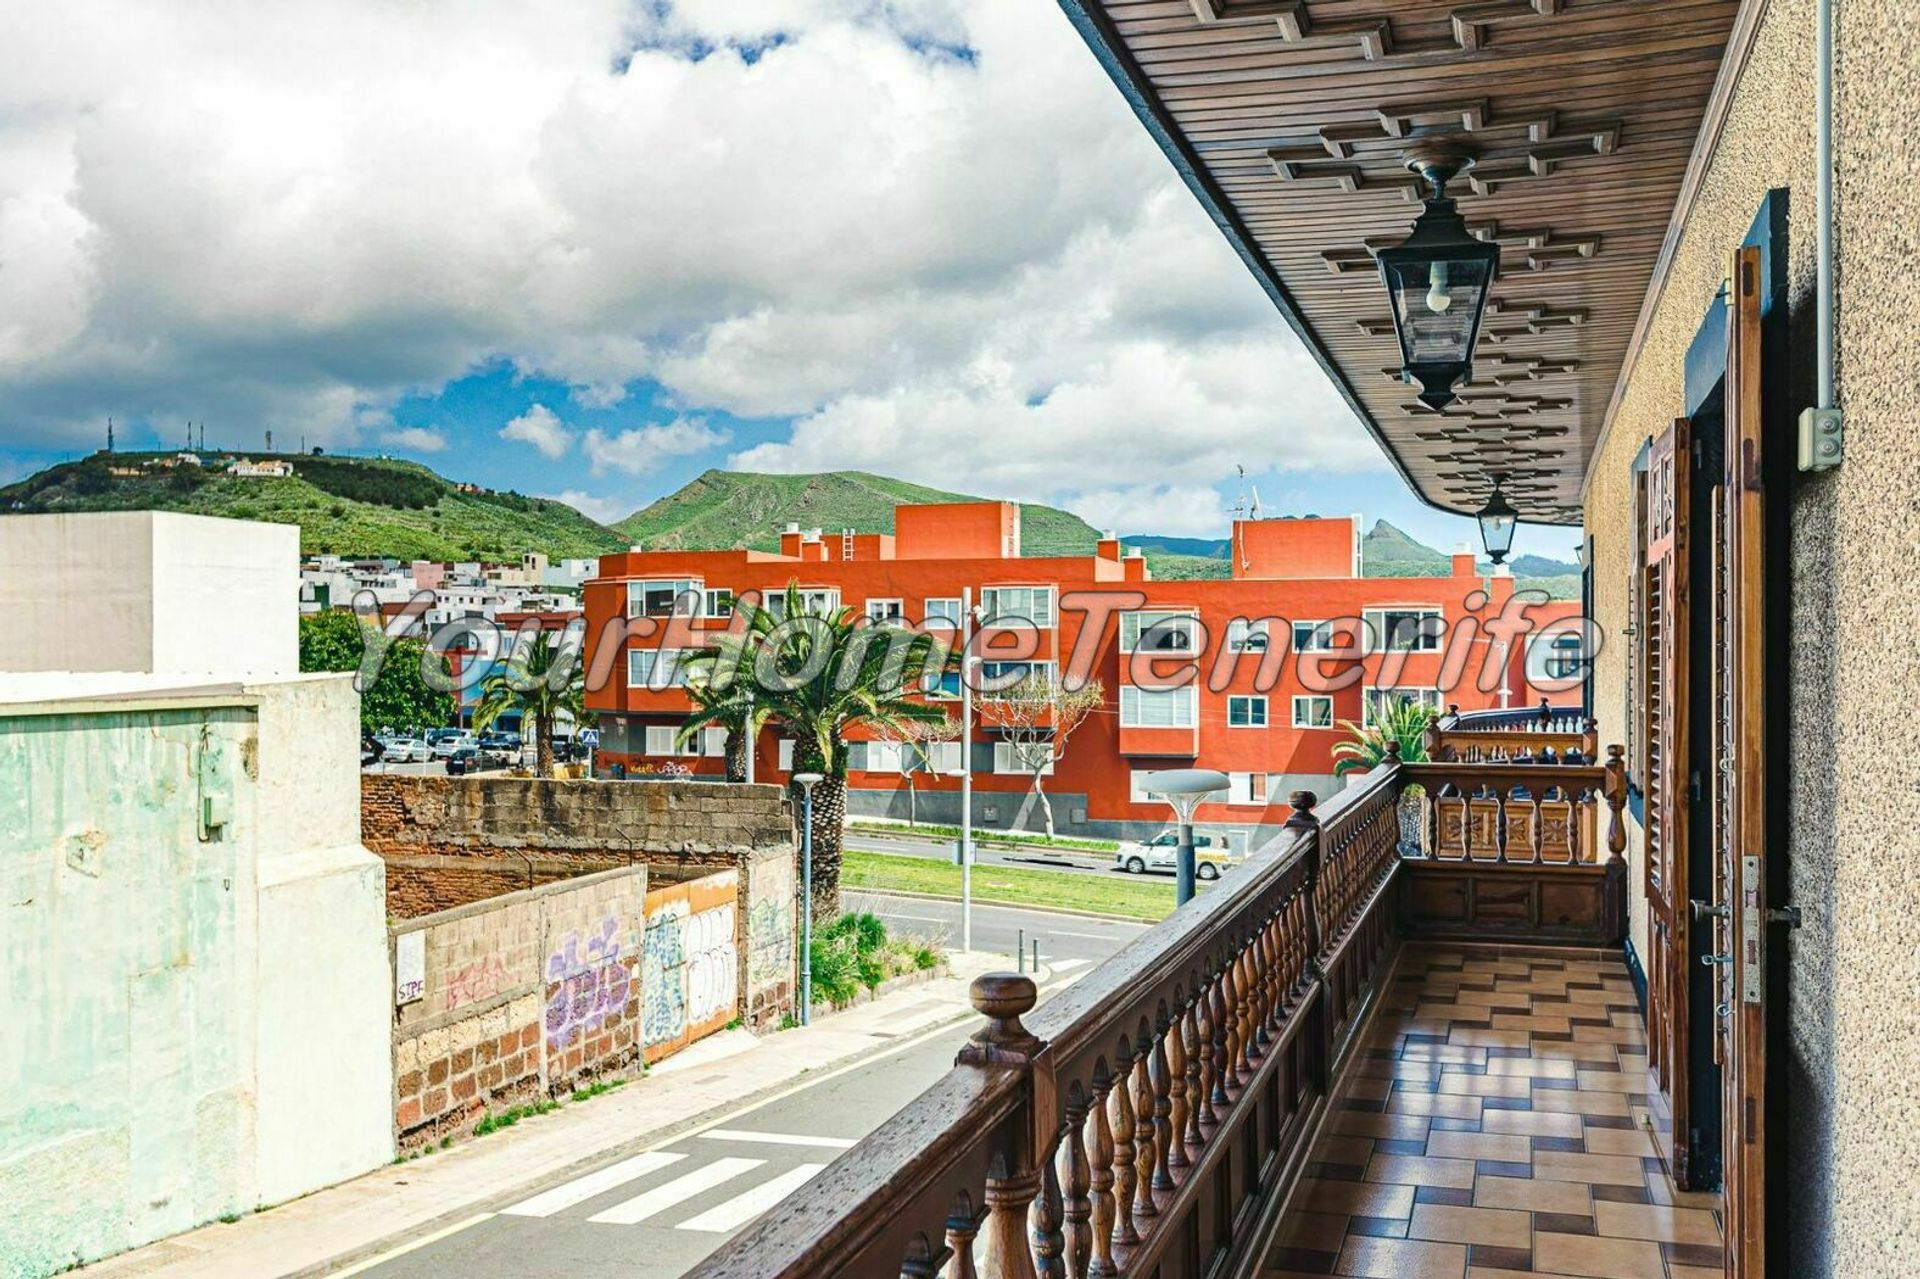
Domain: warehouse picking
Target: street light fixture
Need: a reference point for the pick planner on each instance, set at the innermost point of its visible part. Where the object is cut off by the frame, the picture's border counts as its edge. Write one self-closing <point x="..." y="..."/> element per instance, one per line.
<point x="1184" y="789"/>
<point x="1438" y="281"/>
<point x="1497" y="519"/>
<point x="807" y="781"/>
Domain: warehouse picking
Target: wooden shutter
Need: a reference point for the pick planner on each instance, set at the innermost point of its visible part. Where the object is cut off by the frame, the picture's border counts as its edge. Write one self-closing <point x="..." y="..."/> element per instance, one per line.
<point x="1740" y="745"/>
<point x="1664" y="596"/>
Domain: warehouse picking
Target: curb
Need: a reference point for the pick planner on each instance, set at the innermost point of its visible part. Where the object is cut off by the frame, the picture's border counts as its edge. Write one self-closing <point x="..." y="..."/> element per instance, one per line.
<point x="642" y="1142"/>
<point x="980" y="901"/>
<point x="984" y="845"/>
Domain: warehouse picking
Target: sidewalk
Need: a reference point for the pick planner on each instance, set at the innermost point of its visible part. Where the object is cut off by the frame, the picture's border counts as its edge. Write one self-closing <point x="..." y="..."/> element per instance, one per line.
<point x="333" y="1228"/>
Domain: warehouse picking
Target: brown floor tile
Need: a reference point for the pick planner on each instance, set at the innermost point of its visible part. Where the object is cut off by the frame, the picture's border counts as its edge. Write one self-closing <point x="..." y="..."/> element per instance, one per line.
<point x="1616" y="1170"/>
<point x="1379" y="1227"/>
<point x="1356" y="1198"/>
<point x="1662" y="1225"/>
<point x="1417" y="1170"/>
<point x="1461" y="1084"/>
<point x="1452" y="1107"/>
<point x="1479" y="1145"/>
<point x="1503" y="1228"/>
<point x="1567" y="1197"/>
<point x="1325" y="1231"/>
<point x="1581" y="1103"/>
<point x="1402" y="1259"/>
<point x="1532" y="1123"/>
<point x="1619" y="1141"/>
<point x="1483" y="1257"/>
<point x="1599" y="1258"/>
<point x="1448" y="1196"/>
<point x="1532" y="1067"/>
<point x="1400" y="1127"/>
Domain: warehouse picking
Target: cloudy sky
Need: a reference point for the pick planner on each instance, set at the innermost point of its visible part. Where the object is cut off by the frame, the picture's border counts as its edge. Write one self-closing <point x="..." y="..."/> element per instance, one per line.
<point x="591" y="249"/>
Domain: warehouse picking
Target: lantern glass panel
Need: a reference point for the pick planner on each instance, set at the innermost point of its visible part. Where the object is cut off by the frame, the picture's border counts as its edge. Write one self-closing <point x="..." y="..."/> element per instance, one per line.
<point x="1436" y="303"/>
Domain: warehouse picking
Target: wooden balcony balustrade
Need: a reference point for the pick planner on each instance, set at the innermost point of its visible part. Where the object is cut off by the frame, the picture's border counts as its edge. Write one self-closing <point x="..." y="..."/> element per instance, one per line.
<point x="1151" y="1119"/>
<point x="1529" y="733"/>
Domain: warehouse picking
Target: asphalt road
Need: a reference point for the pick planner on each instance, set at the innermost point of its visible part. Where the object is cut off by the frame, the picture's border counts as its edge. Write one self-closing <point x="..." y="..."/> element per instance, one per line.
<point x="655" y="1212"/>
<point x="1065" y="940"/>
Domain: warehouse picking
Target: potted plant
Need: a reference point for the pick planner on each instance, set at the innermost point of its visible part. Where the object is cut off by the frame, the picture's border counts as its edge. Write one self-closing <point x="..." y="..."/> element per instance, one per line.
<point x="1402" y="723"/>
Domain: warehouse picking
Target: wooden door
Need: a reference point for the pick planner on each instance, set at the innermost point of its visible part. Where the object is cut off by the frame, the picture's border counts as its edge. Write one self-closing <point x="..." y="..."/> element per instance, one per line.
<point x="1740" y="808"/>
<point x="1665" y="593"/>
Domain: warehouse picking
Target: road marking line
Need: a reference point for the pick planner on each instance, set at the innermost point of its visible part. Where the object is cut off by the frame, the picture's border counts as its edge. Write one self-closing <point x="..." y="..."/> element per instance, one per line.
<point x="742" y="1208"/>
<point x="581" y="1189"/>
<point x="679" y="1190"/>
<point x="1067" y="965"/>
<point x="776" y="1138"/>
<point x="412" y="1246"/>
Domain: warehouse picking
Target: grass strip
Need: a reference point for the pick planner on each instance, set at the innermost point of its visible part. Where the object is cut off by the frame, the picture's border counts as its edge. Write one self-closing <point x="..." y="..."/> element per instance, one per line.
<point x="1148" y="898"/>
<point x="1017" y="838"/>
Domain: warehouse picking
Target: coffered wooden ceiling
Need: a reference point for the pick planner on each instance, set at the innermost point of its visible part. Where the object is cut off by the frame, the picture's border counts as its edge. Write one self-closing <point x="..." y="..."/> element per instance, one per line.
<point x="1290" y="120"/>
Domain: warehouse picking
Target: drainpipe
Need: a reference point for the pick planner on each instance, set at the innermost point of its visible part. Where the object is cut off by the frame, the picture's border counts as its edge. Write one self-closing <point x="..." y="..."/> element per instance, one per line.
<point x="1822" y="427"/>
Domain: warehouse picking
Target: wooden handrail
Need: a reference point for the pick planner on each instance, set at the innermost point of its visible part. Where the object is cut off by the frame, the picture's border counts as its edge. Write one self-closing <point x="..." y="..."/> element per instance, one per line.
<point x="1475" y="810"/>
<point x="1102" y="1134"/>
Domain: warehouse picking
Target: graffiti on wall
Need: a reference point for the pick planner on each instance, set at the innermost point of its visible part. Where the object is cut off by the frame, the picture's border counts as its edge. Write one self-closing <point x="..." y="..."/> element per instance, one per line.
<point x="482" y="979"/>
<point x="770" y="925"/>
<point x="690" y="962"/>
<point x="663" y="953"/>
<point x="589" y="982"/>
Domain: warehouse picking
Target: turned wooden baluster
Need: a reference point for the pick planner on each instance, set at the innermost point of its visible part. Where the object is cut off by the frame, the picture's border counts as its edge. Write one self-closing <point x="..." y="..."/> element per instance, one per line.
<point x="1002" y="998"/>
<point x="1209" y="1074"/>
<point x="1163" y="1079"/>
<point x="1044" y="1219"/>
<point x="1179" y="1088"/>
<point x="1120" y="1099"/>
<point x="1076" y="1181"/>
<point x="962" y="1226"/>
<point x="1269" y="981"/>
<point x="1243" y="994"/>
<point x="1100" y="1180"/>
<point x="1223" y="1077"/>
<point x="1615" y="792"/>
<point x="920" y="1261"/>
<point x="1143" y="1136"/>
<point x="1226" y="1010"/>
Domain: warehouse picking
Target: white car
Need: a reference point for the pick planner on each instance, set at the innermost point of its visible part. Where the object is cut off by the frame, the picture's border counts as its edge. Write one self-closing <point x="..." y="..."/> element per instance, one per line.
<point x="451" y="742"/>
<point x="406" y="750"/>
<point x="1137" y="857"/>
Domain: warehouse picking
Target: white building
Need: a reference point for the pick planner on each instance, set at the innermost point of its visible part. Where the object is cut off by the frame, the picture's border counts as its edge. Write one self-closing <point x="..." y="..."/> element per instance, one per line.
<point x="194" y="981"/>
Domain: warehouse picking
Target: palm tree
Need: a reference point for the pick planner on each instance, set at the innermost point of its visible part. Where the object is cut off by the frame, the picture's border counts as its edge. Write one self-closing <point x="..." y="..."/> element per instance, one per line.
<point x="731" y="707"/>
<point x="1403" y="720"/>
<point x="540" y="679"/>
<point x="821" y="674"/>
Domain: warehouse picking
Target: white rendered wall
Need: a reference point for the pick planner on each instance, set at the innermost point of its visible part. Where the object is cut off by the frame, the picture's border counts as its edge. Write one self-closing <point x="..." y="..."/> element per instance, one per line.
<point x="148" y="591"/>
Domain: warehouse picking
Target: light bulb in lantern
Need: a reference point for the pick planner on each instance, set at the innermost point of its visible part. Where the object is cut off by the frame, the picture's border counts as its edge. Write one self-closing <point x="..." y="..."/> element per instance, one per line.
<point x="1438" y="299"/>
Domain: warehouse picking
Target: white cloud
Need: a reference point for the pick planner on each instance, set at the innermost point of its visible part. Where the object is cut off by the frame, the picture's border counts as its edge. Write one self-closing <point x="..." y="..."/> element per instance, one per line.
<point x="415" y="439"/>
<point x="643" y="449"/>
<point x="1171" y="510"/>
<point x="603" y="509"/>
<point x="539" y="427"/>
<point x="931" y="231"/>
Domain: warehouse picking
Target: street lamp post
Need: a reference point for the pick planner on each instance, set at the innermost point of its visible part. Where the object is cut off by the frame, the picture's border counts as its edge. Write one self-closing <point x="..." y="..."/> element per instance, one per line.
<point x="807" y="781"/>
<point x="966" y="769"/>
<point x="1184" y="789"/>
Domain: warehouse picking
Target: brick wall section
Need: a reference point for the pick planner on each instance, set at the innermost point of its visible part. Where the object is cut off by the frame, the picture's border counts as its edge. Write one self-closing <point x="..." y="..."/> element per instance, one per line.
<point x="697" y="823"/>
<point x="528" y="994"/>
<point x="419" y="886"/>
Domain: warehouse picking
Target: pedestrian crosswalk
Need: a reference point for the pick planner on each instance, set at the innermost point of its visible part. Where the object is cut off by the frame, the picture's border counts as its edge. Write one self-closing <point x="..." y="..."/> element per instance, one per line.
<point x="686" y="1189"/>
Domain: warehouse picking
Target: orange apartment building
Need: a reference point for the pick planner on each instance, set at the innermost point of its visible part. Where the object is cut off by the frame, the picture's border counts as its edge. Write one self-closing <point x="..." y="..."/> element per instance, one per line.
<point x="1283" y="651"/>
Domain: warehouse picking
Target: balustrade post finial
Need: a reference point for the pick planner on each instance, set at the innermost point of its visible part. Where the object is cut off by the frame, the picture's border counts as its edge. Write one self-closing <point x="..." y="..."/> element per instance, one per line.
<point x="1393" y="753"/>
<point x="1615" y="792"/>
<point x="1001" y="998"/>
<point x="1302" y="803"/>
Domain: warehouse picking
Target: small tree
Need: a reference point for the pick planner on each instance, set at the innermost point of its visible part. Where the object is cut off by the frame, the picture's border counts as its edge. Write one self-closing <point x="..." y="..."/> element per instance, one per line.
<point x="1403" y="720"/>
<point x="730" y="708"/>
<point x="1037" y="716"/>
<point x="916" y="739"/>
<point x="400" y="696"/>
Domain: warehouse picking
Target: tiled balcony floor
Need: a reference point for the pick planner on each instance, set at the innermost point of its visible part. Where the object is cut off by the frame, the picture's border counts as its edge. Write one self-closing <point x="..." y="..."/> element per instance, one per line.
<point x="1496" y="1123"/>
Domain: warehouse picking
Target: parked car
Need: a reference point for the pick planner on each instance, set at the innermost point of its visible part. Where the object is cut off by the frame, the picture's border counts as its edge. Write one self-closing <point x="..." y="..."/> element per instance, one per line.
<point x="447" y="743"/>
<point x="467" y="759"/>
<point x="407" y="750"/>
<point x="1137" y="857"/>
<point x="371" y="749"/>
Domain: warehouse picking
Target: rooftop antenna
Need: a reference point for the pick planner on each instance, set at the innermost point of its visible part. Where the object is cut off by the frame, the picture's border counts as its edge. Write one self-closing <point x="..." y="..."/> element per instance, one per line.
<point x="1238" y="543"/>
<point x="109" y="435"/>
<point x="1255" y="508"/>
<point x="269" y="441"/>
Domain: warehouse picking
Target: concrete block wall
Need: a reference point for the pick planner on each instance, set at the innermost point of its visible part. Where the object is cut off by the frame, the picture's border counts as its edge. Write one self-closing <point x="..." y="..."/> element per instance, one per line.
<point x="524" y="995"/>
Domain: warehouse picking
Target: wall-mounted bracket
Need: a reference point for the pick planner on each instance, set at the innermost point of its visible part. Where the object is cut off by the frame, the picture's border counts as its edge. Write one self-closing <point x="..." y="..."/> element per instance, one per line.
<point x="1823" y="435"/>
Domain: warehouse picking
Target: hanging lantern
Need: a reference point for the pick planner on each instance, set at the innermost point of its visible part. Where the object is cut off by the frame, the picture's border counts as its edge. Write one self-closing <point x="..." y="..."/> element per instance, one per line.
<point x="1438" y="281"/>
<point x="1497" y="519"/>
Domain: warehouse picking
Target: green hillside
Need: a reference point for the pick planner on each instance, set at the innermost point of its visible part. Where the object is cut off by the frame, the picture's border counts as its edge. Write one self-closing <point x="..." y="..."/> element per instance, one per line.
<point x="1386" y="551"/>
<point x="344" y="506"/>
<point x="739" y="509"/>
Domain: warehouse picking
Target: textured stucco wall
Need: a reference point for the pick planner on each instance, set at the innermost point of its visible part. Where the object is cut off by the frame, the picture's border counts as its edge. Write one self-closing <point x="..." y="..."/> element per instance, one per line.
<point x="1855" y="846"/>
<point x="194" y="1026"/>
